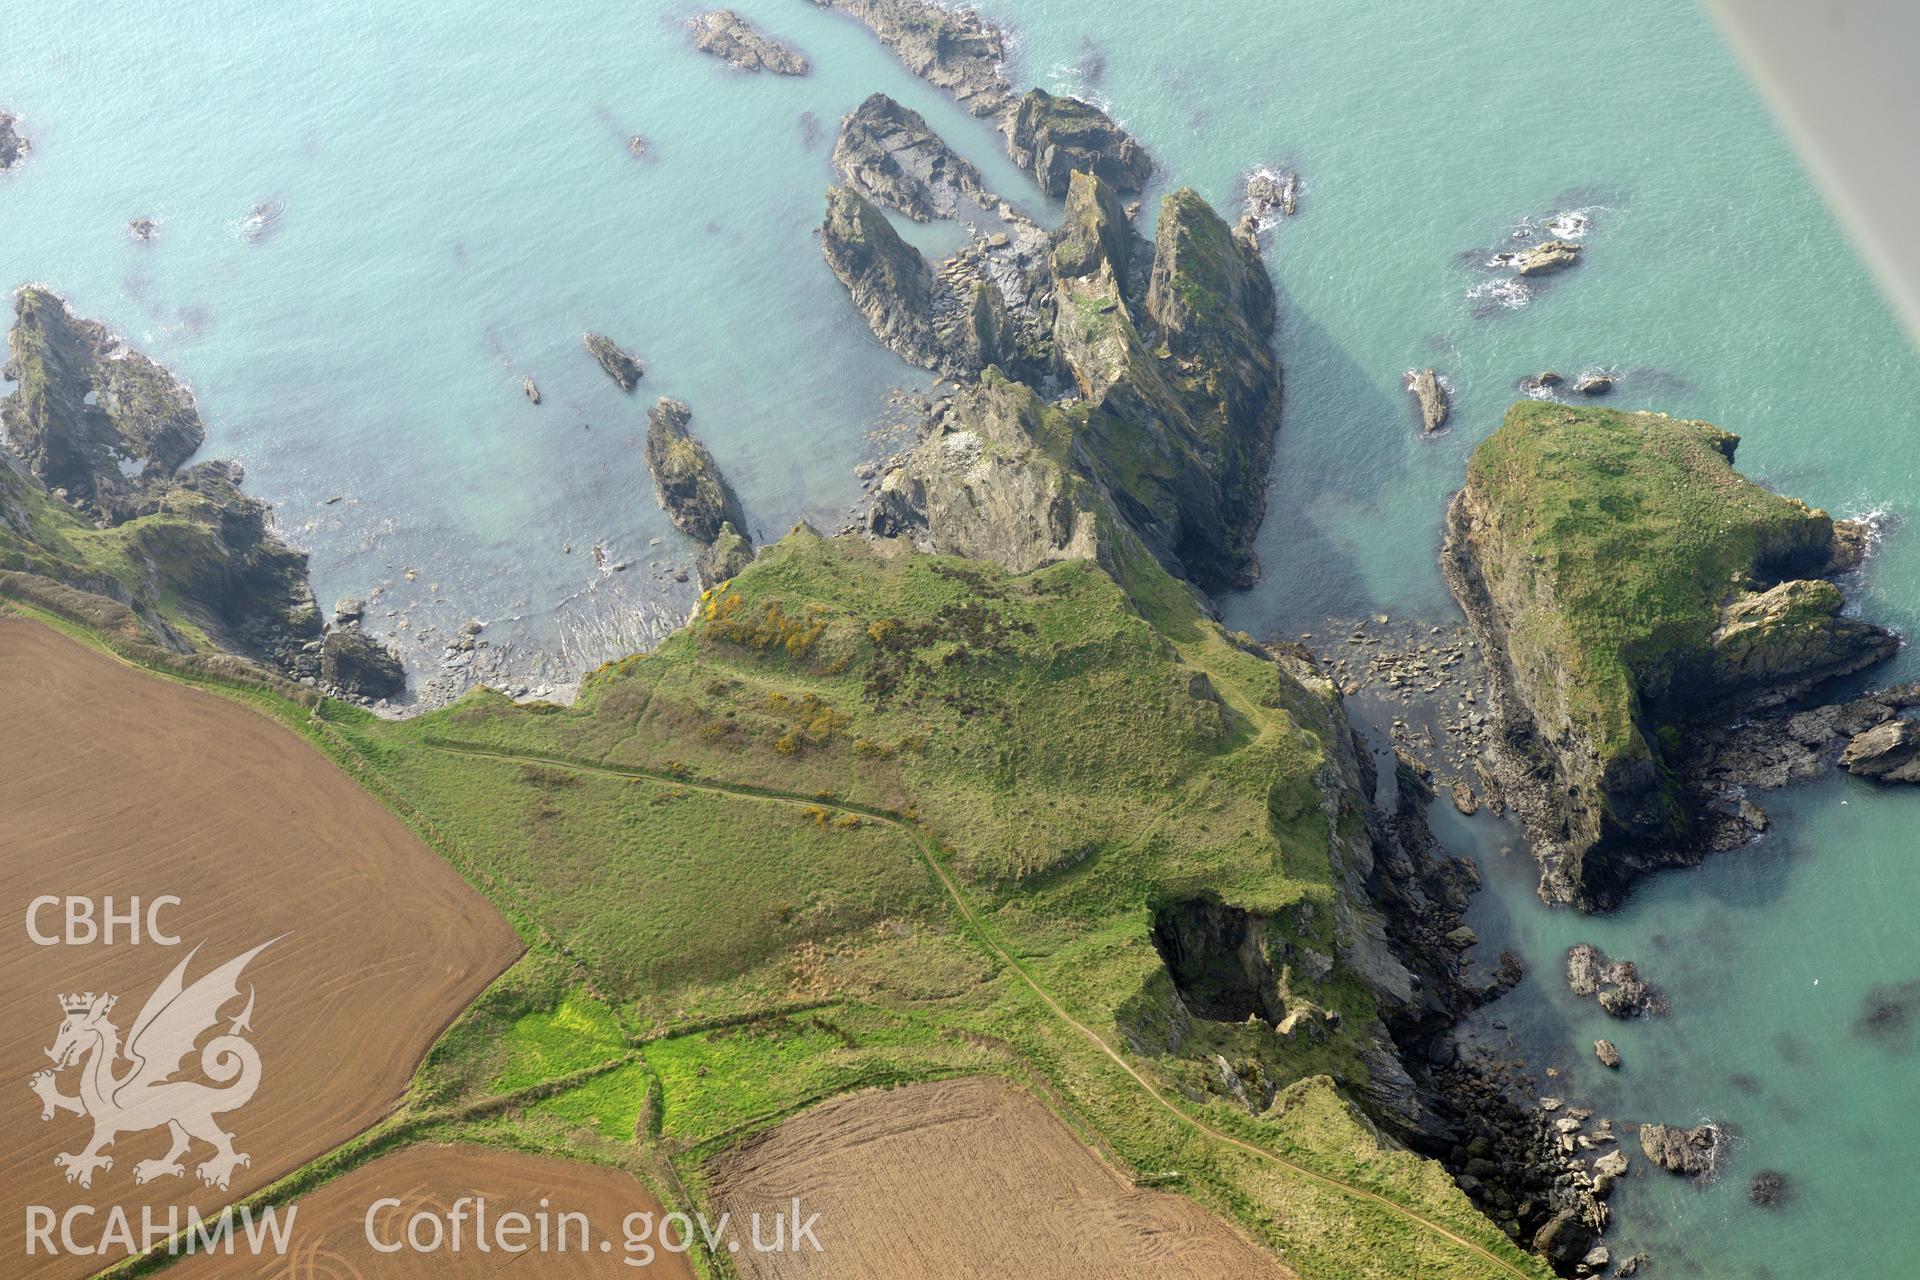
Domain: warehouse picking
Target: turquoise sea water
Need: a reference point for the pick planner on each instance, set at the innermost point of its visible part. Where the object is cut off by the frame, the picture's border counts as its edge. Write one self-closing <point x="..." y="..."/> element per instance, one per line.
<point x="456" y="203"/>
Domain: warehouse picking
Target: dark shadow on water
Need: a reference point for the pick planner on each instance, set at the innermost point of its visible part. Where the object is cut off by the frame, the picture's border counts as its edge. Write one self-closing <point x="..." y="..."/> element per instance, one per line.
<point x="1305" y="577"/>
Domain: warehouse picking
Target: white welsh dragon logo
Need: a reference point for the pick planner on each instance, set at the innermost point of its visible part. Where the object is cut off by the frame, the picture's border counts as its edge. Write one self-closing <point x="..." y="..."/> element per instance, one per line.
<point x="145" y="1096"/>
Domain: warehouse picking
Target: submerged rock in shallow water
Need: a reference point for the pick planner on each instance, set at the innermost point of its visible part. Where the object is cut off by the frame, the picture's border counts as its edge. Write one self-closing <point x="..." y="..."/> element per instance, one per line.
<point x="1689" y="1153"/>
<point x="1768" y="1189"/>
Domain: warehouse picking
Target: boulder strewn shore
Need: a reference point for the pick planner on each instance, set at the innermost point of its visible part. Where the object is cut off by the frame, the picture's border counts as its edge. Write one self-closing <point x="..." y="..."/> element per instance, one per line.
<point x="735" y="41"/>
<point x="1633" y="595"/>
<point x="621" y="366"/>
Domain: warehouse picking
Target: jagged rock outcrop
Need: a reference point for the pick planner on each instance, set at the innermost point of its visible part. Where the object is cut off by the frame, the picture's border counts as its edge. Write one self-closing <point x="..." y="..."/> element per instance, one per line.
<point x="1178" y="394"/>
<point x="694" y="493"/>
<point x="1055" y="137"/>
<point x="887" y="154"/>
<point x="889" y="280"/>
<point x="952" y="49"/>
<point x="1690" y="1153"/>
<point x="13" y="144"/>
<point x="732" y="39"/>
<point x="1615" y="984"/>
<point x="987" y="482"/>
<point x="92" y="416"/>
<point x="357" y="665"/>
<point x="987" y="304"/>
<point x="621" y="366"/>
<point x="1180" y="391"/>
<point x="1632" y="592"/>
<point x="101" y="431"/>
<point x="1888" y="752"/>
<point x="1430" y="396"/>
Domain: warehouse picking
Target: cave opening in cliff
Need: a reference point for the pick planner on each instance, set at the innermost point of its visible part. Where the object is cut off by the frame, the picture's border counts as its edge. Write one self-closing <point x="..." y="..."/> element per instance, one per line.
<point x="1217" y="957"/>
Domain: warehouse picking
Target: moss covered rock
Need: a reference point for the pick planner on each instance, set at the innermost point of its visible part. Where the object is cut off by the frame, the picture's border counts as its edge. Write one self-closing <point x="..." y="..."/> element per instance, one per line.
<point x="1628" y="584"/>
<point x="1056" y="137"/>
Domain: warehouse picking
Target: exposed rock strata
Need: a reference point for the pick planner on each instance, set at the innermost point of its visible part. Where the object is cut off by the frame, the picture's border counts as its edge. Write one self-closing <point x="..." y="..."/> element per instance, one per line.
<point x="694" y="493"/>
<point x="959" y="51"/>
<point x="887" y="154"/>
<point x="1054" y="137"/>
<point x="988" y="304"/>
<point x="732" y="39"/>
<point x="952" y="49"/>
<point x="1600" y="691"/>
<point x="1173" y="425"/>
<point x="622" y="367"/>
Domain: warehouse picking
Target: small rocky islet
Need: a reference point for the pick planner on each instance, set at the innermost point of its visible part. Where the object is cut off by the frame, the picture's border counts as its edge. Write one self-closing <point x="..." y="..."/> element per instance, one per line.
<point x="726" y="35"/>
<point x="13" y="144"/>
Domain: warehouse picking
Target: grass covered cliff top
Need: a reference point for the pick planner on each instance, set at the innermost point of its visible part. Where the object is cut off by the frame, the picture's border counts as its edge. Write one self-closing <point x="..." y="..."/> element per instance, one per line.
<point x="1613" y="540"/>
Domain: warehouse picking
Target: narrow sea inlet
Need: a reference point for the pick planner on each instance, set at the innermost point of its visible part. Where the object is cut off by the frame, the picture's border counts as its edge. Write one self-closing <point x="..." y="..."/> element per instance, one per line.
<point x="370" y="225"/>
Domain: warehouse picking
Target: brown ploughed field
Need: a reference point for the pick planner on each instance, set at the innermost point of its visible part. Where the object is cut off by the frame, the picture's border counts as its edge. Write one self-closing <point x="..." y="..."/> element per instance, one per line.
<point x="966" y="1178"/>
<point x="330" y="1234"/>
<point x="117" y="783"/>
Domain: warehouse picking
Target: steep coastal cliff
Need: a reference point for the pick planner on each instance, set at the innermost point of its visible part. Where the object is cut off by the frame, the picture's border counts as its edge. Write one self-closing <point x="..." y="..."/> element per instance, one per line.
<point x="1628" y="587"/>
<point x="93" y="497"/>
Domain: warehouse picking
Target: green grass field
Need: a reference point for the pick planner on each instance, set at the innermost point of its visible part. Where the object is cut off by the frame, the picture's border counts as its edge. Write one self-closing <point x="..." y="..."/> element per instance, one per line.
<point x="875" y="819"/>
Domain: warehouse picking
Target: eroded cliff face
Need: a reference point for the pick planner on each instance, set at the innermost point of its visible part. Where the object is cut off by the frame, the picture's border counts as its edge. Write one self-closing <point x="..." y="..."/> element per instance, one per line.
<point x="1171" y="431"/>
<point x="98" y="501"/>
<point x="1628" y="587"/>
<point x="1180" y="393"/>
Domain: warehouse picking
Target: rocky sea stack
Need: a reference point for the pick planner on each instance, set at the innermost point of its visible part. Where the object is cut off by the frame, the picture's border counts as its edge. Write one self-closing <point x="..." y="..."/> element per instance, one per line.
<point x="732" y="39"/>
<point x="1631" y="592"/>
<point x="693" y="492"/>
<point x="1172" y="427"/>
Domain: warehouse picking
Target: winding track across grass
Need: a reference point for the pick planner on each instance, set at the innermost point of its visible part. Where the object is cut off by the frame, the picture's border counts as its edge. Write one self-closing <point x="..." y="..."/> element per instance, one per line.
<point x="967" y="913"/>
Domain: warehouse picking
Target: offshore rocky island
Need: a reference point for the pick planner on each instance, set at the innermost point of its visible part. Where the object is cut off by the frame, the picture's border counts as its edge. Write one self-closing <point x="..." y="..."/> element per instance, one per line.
<point x="1028" y="610"/>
